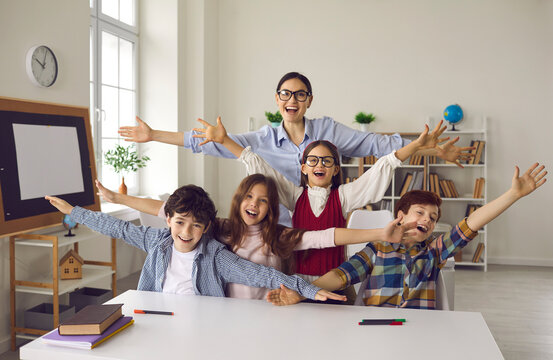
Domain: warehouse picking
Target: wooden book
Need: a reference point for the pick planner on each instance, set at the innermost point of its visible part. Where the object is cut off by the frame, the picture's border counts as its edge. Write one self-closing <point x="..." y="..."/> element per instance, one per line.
<point x="480" y="188"/>
<point x="476" y="185"/>
<point x="479" y="150"/>
<point x="445" y="188"/>
<point x="452" y="189"/>
<point x="473" y="152"/>
<point x="406" y="183"/>
<point x="478" y="253"/>
<point x="437" y="184"/>
<point x="91" y="320"/>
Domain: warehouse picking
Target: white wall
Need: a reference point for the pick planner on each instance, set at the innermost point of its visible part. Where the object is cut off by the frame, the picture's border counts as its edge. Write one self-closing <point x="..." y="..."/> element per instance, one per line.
<point x="405" y="60"/>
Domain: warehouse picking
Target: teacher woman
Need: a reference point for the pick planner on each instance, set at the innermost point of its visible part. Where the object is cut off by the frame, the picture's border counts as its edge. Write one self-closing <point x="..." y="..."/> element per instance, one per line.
<point x="282" y="147"/>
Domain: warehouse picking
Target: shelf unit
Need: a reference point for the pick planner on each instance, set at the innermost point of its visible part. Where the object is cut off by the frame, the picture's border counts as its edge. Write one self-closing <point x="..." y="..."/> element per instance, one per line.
<point x="453" y="209"/>
<point x="50" y="284"/>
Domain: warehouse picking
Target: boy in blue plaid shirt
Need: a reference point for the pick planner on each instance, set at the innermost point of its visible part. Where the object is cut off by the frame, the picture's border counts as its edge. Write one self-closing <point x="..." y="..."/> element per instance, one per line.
<point x="185" y="259"/>
<point x="405" y="274"/>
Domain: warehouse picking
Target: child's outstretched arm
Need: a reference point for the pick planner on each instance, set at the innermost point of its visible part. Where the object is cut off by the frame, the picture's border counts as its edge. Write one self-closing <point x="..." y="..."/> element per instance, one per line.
<point x="148" y="206"/>
<point x="392" y="233"/>
<point x="60" y="204"/>
<point x="218" y="134"/>
<point x="521" y="186"/>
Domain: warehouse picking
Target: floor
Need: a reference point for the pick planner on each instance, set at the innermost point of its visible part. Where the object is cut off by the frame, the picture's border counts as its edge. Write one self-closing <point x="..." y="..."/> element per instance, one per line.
<point x="516" y="302"/>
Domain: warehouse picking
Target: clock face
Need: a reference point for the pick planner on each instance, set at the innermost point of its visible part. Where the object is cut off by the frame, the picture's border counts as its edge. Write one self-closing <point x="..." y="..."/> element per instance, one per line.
<point x="42" y="66"/>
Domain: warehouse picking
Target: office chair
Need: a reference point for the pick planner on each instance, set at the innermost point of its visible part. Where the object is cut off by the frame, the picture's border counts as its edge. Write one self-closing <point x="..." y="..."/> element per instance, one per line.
<point x="365" y="219"/>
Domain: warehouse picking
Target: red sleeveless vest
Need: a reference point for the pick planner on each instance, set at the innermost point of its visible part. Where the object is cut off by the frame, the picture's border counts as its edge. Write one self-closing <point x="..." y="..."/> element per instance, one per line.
<point x="318" y="261"/>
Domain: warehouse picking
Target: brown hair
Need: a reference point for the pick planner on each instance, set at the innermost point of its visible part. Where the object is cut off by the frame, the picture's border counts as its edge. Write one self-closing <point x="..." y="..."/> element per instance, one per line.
<point x="416" y="197"/>
<point x="336" y="179"/>
<point x="279" y="239"/>
<point x="193" y="200"/>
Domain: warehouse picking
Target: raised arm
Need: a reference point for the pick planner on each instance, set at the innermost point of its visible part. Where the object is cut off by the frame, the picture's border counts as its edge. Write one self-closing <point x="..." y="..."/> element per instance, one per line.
<point x="425" y="141"/>
<point x="148" y="206"/>
<point x="392" y="233"/>
<point x="521" y="186"/>
<point x="144" y="133"/>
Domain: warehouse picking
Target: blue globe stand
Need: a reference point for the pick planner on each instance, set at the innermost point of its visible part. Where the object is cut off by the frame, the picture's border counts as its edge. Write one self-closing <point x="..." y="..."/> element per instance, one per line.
<point x="453" y="114"/>
<point x="69" y="233"/>
<point x="69" y="224"/>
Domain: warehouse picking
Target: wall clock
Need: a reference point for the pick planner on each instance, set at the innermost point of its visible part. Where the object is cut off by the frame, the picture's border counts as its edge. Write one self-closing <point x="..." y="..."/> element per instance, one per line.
<point x="42" y="66"/>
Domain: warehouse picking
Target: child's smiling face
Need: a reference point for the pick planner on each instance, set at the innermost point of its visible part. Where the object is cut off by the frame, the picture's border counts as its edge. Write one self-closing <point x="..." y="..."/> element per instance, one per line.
<point x="255" y="205"/>
<point x="320" y="175"/>
<point x="425" y="215"/>
<point x="186" y="231"/>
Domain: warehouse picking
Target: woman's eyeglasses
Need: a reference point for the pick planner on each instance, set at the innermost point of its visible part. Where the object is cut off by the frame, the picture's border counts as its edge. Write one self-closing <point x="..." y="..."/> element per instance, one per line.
<point x="300" y="95"/>
<point x="312" y="160"/>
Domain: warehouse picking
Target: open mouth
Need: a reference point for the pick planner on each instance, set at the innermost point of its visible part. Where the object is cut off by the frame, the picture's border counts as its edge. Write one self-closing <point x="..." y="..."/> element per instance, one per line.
<point x="186" y="241"/>
<point x="422" y="228"/>
<point x="291" y="109"/>
<point x="319" y="173"/>
<point x="251" y="213"/>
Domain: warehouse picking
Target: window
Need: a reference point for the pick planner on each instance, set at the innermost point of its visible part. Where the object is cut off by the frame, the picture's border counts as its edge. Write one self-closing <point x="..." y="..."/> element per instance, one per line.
<point x="113" y="79"/>
<point x="66" y="271"/>
<point x="71" y="260"/>
<point x="76" y="270"/>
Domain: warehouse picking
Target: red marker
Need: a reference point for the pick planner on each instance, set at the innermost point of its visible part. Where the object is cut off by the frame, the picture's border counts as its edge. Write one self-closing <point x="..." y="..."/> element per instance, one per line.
<point x="381" y="322"/>
<point x="137" y="311"/>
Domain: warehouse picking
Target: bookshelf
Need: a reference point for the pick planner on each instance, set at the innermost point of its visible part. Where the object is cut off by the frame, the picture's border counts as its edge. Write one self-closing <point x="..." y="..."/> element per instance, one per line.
<point x="464" y="180"/>
<point x="48" y="282"/>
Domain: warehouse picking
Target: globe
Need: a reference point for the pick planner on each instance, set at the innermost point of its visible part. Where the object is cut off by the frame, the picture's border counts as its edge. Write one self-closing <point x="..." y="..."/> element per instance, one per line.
<point x="69" y="224"/>
<point x="453" y="114"/>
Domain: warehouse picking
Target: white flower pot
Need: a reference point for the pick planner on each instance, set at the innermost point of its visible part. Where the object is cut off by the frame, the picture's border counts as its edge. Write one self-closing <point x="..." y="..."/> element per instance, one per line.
<point x="364" y="127"/>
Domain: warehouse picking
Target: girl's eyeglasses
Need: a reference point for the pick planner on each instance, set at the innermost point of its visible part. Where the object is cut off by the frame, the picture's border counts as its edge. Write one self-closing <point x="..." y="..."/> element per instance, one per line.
<point x="312" y="160"/>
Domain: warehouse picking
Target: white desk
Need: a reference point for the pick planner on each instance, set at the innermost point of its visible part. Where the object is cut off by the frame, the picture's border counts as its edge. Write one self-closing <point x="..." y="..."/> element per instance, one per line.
<point x="221" y="328"/>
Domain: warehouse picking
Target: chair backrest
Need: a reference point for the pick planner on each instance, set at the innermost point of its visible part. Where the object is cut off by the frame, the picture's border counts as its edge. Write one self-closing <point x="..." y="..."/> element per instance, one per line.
<point x="151" y="220"/>
<point x="365" y="219"/>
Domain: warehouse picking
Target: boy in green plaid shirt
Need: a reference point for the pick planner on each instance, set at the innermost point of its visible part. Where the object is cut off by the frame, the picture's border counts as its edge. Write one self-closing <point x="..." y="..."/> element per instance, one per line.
<point x="405" y="274"/>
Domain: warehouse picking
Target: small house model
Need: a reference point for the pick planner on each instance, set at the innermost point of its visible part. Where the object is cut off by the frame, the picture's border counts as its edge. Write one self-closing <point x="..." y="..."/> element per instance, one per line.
<point x="71" y="266"/>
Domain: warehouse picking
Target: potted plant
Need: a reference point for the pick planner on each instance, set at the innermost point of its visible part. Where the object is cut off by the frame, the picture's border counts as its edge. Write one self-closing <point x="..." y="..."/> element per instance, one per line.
<point x="275" y="118"/>
<point x="364" y="120"/>
<point x="124" y="159"/>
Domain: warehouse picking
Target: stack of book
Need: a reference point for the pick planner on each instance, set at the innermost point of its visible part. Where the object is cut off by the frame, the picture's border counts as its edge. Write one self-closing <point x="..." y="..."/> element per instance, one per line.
<point x="444" y="188"/>
<point x="370" y="160"/>
<point x="477" y="152"/>
<point x="412" y="181"/>
<point x="89" y="327"/>
<point x="478" y="188"/>
<point x="416" y="160"/>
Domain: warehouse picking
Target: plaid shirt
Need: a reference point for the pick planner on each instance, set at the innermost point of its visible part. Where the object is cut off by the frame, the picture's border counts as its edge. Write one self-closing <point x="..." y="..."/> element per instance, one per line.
<point x="214" y="266"/>
<point x="394" y="276"/>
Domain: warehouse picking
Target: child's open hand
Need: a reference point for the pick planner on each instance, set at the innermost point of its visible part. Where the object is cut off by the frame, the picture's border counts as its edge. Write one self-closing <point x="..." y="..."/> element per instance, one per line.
<point x="60" y="204"/>
<point x="323" y="295"/>
<point x="532" y="179"/>
<point x="395" y="232"/>
<point x="140" y="133"/>
<point x="105" y="193"/>
<point x="450" y="152"/>
<point x="216" y="133"/>
<point x="283" y="296"/>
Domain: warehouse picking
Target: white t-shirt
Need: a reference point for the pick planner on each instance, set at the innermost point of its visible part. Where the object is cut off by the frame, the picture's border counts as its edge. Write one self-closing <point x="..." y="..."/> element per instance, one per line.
<point x="178" y="278"/>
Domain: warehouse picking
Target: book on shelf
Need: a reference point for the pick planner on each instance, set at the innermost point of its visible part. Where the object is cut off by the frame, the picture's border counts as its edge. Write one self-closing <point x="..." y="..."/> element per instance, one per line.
<point x="406" y="182"/>
<point x="91" y="320"/>
<point x="87" y="341"/>
<point x="386" y="205"/>
<point x="479" y="150"/>
<point x="458" y="257"/>
<point x="444" y="188"/>
<point x="417" y="181"/>
<point x="452" y="188"/>
<point x="478" y="252"/>
<point x="471" y="208"/>
<point x="472" y="152"/>
<point x="478" y="188"/>
<point x="370" y="160"/>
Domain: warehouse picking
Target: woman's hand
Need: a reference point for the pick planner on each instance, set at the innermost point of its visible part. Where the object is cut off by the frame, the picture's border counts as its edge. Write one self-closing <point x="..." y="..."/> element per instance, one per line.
<point x="140" y="134"/>
<point x="216" y="133"/>
<point x="428" y="140"/>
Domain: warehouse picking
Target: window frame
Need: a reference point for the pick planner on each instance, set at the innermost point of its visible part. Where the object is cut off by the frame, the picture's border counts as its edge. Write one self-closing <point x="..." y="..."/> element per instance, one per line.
<point x="100" y="23"/>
